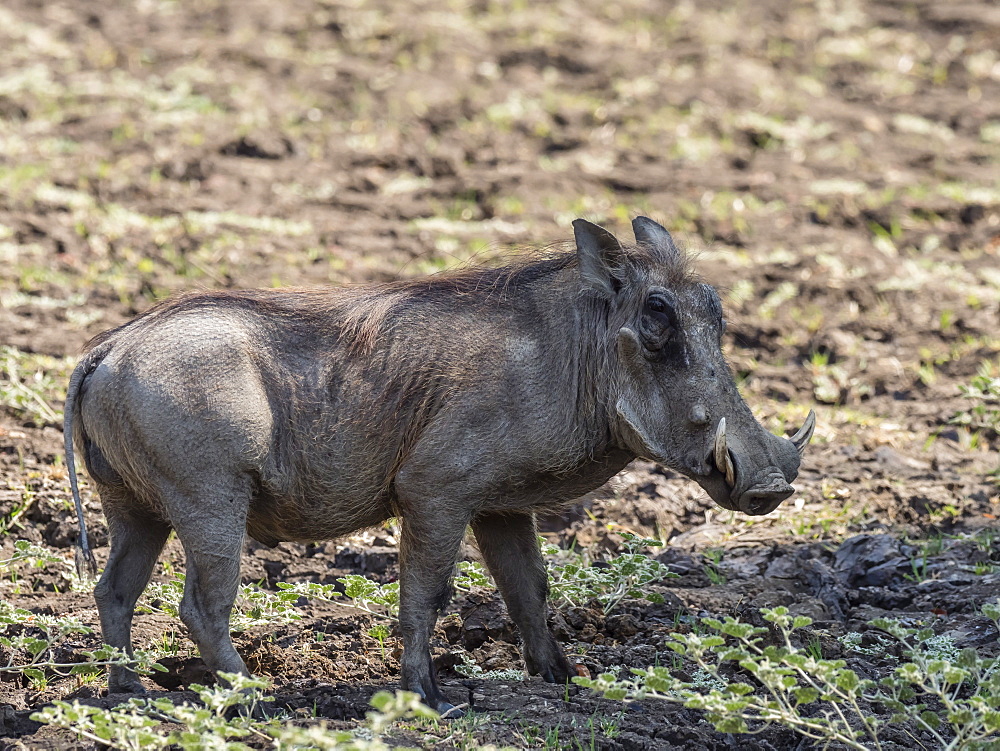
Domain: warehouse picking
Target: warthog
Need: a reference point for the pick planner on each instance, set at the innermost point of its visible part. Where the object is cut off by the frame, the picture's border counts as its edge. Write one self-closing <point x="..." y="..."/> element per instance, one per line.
<point x="470" y="398"/>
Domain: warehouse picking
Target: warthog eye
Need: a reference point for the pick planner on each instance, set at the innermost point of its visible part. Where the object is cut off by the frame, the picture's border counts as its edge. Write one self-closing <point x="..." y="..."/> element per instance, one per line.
<point x="661" y="310"/>
<point x="659" y="321"/>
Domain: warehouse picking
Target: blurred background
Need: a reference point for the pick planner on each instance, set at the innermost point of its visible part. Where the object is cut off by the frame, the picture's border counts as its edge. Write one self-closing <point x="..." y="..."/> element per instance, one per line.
<point x="835" y="162"/>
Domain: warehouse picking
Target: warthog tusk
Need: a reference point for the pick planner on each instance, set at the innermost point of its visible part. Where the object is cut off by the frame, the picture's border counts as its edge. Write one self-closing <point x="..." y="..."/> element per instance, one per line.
<point x="801" y="439"/>
<point x="722" y="460"/>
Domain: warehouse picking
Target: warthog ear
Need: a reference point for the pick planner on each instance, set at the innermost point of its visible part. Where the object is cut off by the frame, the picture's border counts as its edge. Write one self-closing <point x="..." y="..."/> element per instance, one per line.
<point x="601" y="257"/>
<point x="648" y="232"/>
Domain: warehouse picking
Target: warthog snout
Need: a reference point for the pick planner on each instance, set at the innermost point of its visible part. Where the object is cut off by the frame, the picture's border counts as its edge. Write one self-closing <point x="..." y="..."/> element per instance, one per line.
<point x="755" y="479"/>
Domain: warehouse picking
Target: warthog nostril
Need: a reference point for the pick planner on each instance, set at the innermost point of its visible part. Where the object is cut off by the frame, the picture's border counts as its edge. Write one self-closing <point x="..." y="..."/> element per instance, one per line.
<point x="765" y="495"/>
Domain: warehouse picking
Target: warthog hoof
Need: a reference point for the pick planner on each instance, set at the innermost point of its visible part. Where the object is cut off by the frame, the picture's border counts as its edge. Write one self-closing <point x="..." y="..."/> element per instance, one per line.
<point x="125" y="686"/>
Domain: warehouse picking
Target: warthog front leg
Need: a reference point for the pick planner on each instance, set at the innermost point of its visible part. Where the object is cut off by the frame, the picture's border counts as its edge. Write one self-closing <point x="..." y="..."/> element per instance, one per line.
<point x="136" y="542"/>
<point x="427" y="552"/>
<point x="509" y="544"/>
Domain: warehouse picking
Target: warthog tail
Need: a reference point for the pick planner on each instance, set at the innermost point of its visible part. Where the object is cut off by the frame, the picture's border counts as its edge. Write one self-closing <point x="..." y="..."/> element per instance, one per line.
<point x="84" y="555"/>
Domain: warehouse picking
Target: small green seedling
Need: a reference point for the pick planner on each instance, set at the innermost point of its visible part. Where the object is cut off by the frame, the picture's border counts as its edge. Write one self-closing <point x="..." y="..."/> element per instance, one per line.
<point x="576" y="581"/>
<point x="950" y="694"/>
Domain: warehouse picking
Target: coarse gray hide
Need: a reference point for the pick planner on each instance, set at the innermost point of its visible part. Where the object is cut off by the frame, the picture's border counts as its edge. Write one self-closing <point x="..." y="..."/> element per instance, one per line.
<point x="473" y="398"/>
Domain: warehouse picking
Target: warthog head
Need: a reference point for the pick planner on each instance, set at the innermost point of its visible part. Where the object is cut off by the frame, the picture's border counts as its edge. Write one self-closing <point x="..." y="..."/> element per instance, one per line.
<point x="672" y="398"/>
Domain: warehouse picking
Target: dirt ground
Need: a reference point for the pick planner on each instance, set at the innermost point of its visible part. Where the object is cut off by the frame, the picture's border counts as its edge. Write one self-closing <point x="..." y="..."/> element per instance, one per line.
<point x="834" y="165"/>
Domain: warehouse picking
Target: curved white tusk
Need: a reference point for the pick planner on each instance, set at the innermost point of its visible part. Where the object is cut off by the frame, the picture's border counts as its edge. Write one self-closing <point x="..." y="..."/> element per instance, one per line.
<point x="801" y="438"/>
<point x="721" y="453"/>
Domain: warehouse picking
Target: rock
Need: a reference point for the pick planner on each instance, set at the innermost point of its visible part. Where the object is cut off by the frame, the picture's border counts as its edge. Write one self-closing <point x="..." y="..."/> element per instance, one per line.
<point x="896" y="463"/>
<point x="867" y="560"/>
<point x="784" y="567"/>
<point x="622" y="626"/>
<point x="182" y="672"/>
<point x="679" y="561"/>
<point x="7" y="717"/>
<point x="811" y="607"/>
<point x="768" y="599"/>
<point x="825" y="587"/>
<point x="883" y="574"/>
<point x="974" y="635"/>
<point x="485" y="621"/>
<point x="259" y="146"/>
<point x="373" y="560"/>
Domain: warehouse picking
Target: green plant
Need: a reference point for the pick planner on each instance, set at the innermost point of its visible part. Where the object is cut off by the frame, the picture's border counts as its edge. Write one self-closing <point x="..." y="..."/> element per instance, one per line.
<point x="259" y="607"/>
<point x="952" y="694"/>
<point x="985" y="539"/>
<point x="871" y="643"/>
<point x="254" y="606"/>
<point x="984" y="391"/>
<point x="814" y="648"/>
<point x="576" y="580"/>
<point x="609" y="726"/>
<point x="363" y="593"/>
<point x="918" y="568"/>
<point x="380" y="632"/>
<point x="30" y="641"/>
<point x="389" y="709"/>
<point x="13" y="517"/>
<point x="381" y="600"/>
<point x="470" y="669"/>
<point x="212" y="723"/>
<point x="28" y="552"/>
<point x="714" y="557"/>
<point x="27" y="394"/>
<point x="28" y="555"/>
<point x="716" y="577"/>
<point x="168" y="643"/>
<point x="832" y="381"/>
<point x="471" y="574"/>
<point x="535" y="737"/>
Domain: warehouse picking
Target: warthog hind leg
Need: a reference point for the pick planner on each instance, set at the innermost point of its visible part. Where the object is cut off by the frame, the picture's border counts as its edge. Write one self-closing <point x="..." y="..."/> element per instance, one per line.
<point x="509" y="544"/>
<point x="136" y="542"/>
<point x="212" y="535"/>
